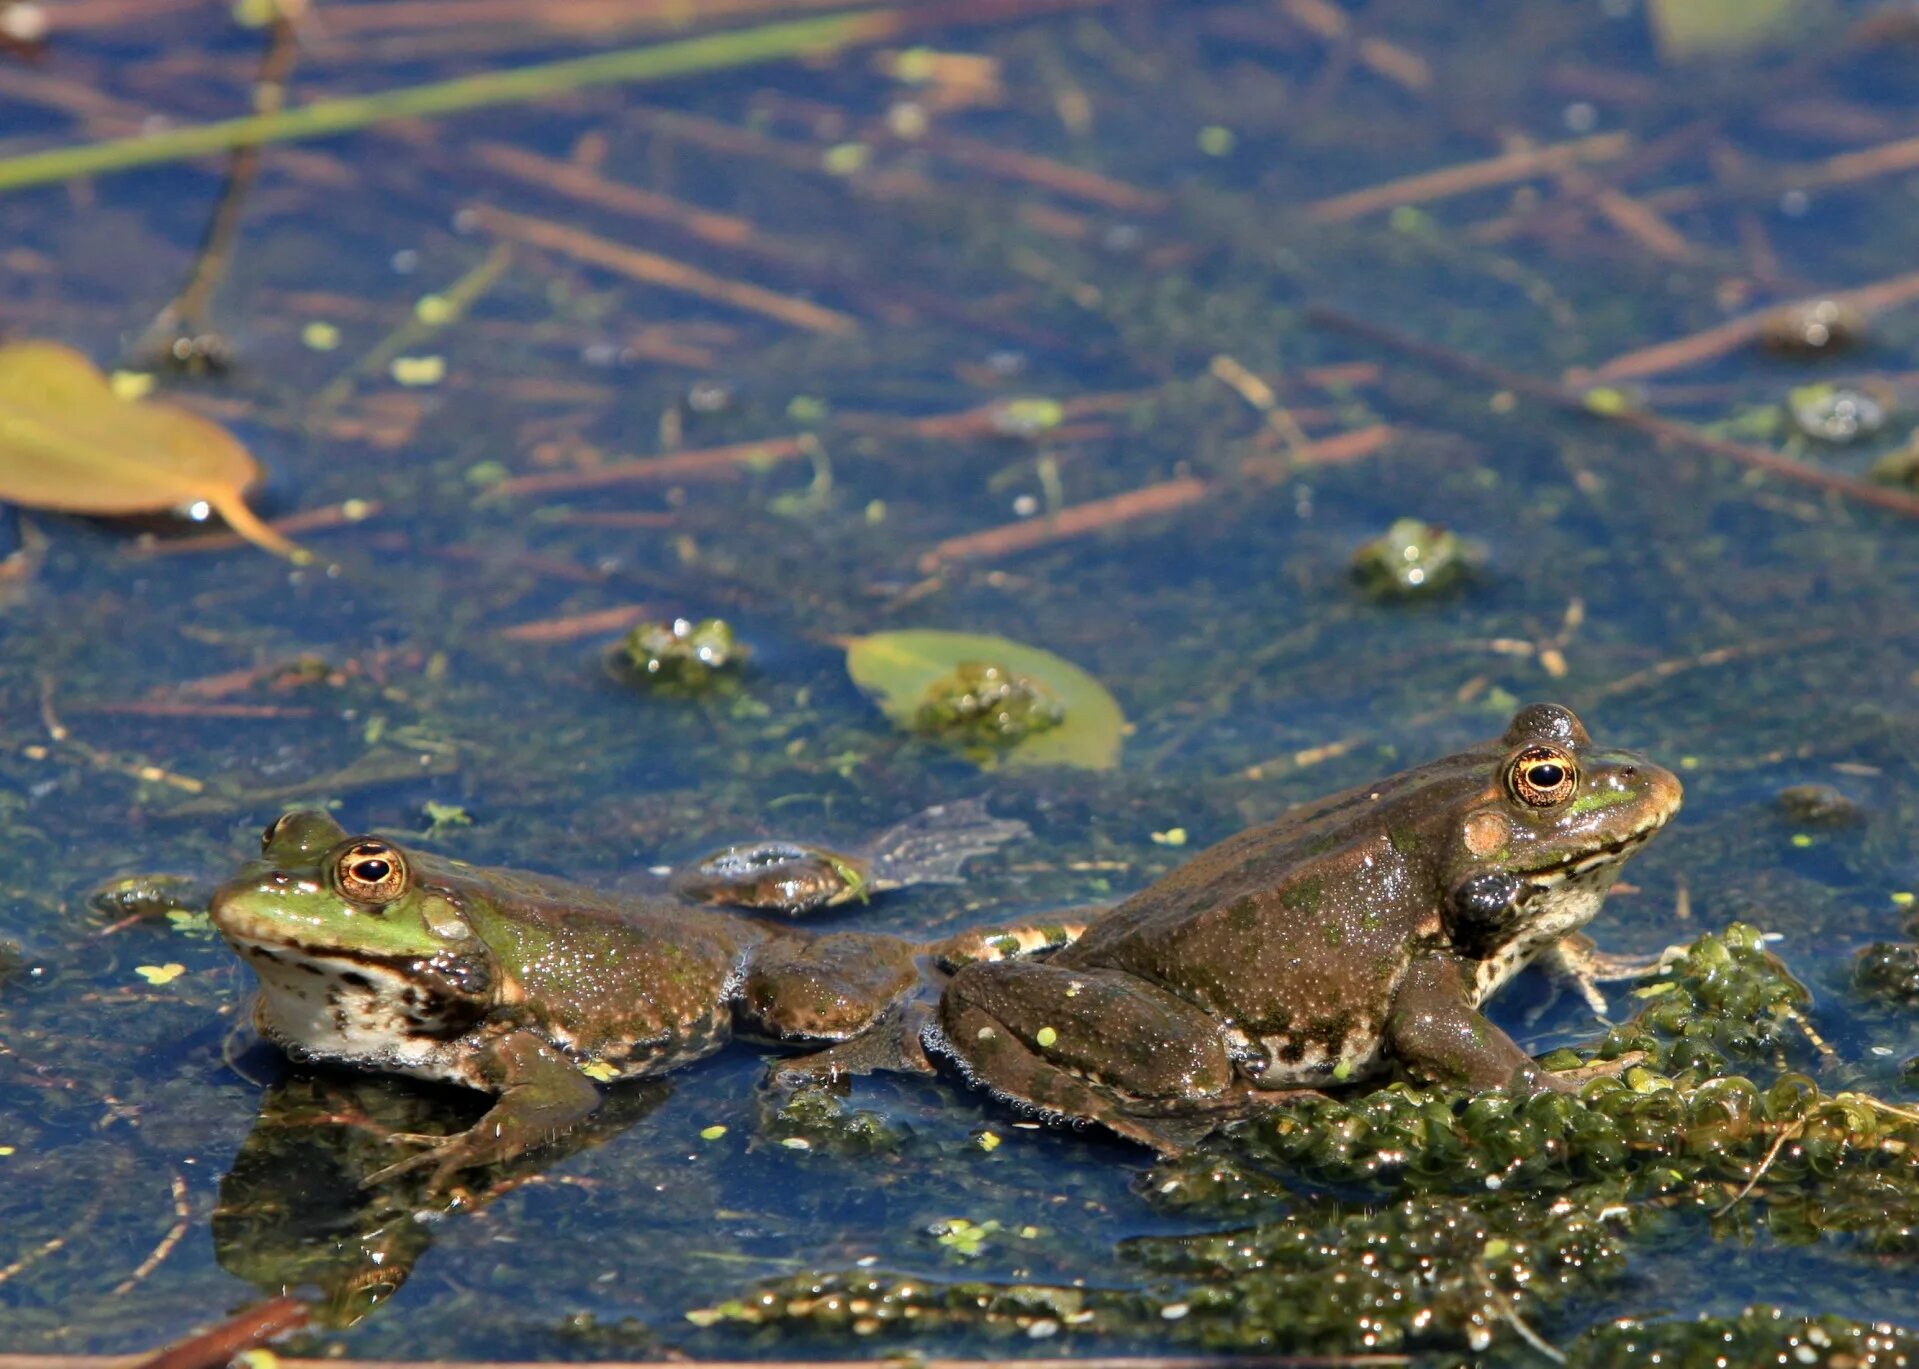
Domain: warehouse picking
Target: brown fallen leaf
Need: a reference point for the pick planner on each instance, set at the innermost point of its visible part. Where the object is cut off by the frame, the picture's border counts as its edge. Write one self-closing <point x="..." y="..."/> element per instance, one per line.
<point x="70" y="444"/>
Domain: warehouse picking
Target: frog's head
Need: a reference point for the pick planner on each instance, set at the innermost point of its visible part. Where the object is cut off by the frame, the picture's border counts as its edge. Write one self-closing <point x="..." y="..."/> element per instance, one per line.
<point x="1544" y="833"/>
<point x="360" y="954"/>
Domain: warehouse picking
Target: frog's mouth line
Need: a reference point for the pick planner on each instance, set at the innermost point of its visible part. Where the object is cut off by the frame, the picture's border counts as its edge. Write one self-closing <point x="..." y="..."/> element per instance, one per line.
<point x="282" y="951"/>
<point x="1611" y="854"/>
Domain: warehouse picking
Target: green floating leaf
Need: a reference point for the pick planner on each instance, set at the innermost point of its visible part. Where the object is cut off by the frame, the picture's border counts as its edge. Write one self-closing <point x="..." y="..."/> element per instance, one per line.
<point x="1685" y="29"/>
<point x="69" y="443"/>
<point x="900" y="668"/>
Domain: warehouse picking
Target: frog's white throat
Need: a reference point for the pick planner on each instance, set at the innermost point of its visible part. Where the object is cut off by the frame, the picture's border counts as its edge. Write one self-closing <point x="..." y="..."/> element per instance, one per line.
<point x="350" y="1010"/>
<point x="1557" y="902"/>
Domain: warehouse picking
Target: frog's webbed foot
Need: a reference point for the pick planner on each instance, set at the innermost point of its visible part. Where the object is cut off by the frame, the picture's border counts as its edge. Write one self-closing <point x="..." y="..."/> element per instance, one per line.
<point x="446" y="1156"/>
<point x="1575" y="964"/>
<point x="541" y="1096"/>
<point x="891" y="1046"/>
<point x="933" y="846"/>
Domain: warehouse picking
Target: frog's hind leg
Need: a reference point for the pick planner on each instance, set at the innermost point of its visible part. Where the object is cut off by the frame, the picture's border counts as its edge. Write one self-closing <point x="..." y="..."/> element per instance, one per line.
<point x="1089" y="1046"/>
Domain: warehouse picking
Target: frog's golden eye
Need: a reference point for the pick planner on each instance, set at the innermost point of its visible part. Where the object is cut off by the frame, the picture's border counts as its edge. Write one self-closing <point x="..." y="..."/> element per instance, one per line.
<point x="1541" y="776"/>
<point x="370" y="872"/>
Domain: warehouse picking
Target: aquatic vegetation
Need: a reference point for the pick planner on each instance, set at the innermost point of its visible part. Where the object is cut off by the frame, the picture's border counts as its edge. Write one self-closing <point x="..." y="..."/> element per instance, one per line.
<point x="815" y="1118"/>
<point x="1889" y="970"/>
<point x="683" y="654"/>
<point x="994" y="700"/>
<point x="1900" y="468"/>
<point x="1412" y="559"/>
<point x="983" y="704"/>
<point x="1835" y="414"/>
<point x="1758" y="1335"/>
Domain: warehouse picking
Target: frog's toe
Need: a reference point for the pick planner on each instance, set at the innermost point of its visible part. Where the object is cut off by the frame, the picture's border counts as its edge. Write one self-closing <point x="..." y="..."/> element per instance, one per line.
<point x="446" y="1156"/>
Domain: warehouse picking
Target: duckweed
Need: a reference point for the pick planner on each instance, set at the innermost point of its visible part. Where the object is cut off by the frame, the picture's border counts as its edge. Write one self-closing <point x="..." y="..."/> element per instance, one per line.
<point x="984" y="704"/>
<point x="682" y="653"/>
<point x="1758" y="1335"/>
<point x="1889" y="970"/>
<point x="1412" y="559"/>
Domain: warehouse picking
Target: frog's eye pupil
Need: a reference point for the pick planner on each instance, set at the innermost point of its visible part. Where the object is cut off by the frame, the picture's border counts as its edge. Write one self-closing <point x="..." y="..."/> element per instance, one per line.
<point x="1542" y="777"/>
<point x="370" y="872"/>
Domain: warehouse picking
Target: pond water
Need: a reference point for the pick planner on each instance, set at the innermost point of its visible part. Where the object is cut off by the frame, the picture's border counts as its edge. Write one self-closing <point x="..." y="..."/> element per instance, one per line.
<point x="965" y="267"/>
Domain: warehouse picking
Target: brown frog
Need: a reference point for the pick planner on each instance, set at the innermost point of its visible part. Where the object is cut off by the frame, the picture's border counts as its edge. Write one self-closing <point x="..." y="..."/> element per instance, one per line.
<point x="1350" y="934"/>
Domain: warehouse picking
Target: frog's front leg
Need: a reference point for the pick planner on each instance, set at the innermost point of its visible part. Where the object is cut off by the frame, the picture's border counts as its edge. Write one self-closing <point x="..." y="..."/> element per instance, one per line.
<point x="1090" y="1045"/>
<point x="1437" y="1032"/>
<point x="542" y="1094"/>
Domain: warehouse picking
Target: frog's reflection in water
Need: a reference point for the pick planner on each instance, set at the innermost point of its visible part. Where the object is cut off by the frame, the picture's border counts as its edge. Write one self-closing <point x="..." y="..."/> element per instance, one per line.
<point x="297" y="1214"/>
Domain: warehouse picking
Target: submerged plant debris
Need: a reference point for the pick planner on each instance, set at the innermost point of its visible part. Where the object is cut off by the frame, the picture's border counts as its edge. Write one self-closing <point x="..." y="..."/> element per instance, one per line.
<point x="1082" y="340"/>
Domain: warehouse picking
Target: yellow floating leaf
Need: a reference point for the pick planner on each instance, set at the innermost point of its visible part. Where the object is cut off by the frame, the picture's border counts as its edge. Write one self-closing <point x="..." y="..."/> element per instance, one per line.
<point x="897" y="669"/>
<point x="600" y="1070"/>
<point x="160" y="974"/>
<point x="70" y="444"/>
<point x="1688" y="29"/>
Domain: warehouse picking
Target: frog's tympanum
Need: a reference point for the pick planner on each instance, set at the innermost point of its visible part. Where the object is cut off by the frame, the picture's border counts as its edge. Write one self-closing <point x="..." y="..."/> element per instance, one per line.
<point x="530" y="987"/>
<point x="1355" y="932"/>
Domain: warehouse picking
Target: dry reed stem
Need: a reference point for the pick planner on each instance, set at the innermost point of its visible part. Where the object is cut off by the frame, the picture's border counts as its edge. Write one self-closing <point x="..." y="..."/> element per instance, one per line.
<point x="711" y="463"/>
<point x="1460" y="180"/>
<point x="1735" y="333"/>
<point x="651" y="268"/>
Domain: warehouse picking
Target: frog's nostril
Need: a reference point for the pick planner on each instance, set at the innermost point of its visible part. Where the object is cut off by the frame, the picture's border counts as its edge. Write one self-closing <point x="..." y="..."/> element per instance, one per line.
<point x="1628" y="771"/>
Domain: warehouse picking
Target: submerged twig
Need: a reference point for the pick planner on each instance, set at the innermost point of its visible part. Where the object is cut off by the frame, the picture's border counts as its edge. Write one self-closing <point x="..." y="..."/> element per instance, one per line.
<point x="577" y="625"/>
<point x="651" y="268"/>
<point x="450" y="306"/>
<point x="182" y="1219"/>
<point x="1096" y="515"/>
<point x="1664" y="429"/>
<point x="1459" y="180"/>
<point x="712" y="463"/>
<point x="1725" y="337"/>
<point x="243" y="1331"/>
<point x="180" y="335"/>
<point x="579" y="183"/>
<point x="1787" y="1135"/>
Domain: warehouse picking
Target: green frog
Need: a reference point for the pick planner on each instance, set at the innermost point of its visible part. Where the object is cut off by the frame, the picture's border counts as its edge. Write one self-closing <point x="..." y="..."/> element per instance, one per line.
<point x="1349" y="934"/>
<point x="533" y="988"/>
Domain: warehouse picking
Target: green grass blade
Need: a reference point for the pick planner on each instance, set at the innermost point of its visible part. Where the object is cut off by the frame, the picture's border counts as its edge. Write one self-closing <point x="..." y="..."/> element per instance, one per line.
<point x="654" y="62"/>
